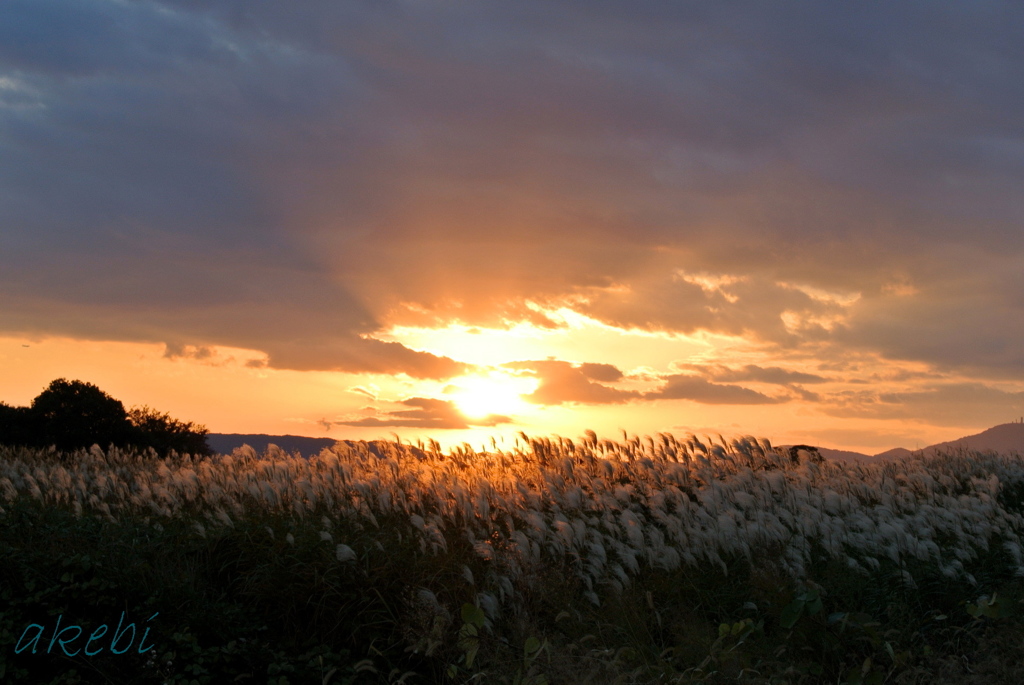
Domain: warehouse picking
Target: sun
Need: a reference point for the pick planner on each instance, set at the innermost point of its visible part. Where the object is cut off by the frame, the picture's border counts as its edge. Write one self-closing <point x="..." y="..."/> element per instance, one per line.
<point x="496" y="393"/>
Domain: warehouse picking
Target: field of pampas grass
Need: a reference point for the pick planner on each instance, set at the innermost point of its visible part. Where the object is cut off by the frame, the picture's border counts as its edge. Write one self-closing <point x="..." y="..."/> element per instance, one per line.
<point x="652" y="560"/>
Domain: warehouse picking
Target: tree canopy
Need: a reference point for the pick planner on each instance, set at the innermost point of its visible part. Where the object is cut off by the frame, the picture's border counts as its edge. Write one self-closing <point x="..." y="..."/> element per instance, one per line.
<point x="74" y="415"/>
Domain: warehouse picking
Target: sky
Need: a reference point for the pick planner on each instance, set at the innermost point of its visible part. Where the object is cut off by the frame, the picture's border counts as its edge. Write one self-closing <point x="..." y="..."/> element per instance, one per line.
<point x="799" y="221"/>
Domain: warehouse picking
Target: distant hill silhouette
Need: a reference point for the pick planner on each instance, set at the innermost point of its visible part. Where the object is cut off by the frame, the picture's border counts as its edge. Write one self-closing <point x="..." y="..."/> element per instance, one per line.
<point x="846" y="455"/>
<point x="894" y="453"/>
<point x="224" y="443"/>
<point x="1007" y="437"/>
<point x="850" y="456"/>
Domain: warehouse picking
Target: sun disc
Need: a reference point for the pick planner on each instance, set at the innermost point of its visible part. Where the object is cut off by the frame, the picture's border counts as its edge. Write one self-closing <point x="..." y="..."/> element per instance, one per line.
<point x="482" y="396"/>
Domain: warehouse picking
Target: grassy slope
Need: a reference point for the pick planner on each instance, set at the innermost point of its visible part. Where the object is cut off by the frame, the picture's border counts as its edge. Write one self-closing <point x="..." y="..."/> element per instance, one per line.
<point x="265" y="593"/>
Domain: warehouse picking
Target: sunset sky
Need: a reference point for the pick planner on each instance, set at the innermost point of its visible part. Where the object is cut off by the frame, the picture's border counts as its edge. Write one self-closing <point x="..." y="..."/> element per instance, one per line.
<point x="801" y="221"/>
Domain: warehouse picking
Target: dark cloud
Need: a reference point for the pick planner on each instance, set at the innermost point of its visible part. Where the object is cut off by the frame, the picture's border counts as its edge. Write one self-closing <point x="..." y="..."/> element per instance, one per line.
<point x="426" y="413"/>
<point x="806" y="395"/>
<point x="364" y="391"/>
<point x="947" y="404"/>
<point x="81" y="38"/>
<point x="562" y="382"/>
<point x="969" y="317"/>
<point x="606" y="373"/>
<point x="200" y="353"/>
<point x="753" y="372"/>
<point x="685" y="387"/>
<point x="238" y="173"/>
<point x="296" y="329"/>
<point x="359" y="355"/>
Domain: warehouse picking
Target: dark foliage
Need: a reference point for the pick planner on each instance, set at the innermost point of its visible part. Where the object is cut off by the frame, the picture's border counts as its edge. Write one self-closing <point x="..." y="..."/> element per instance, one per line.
<point x="71" y="415"/>
<point x="203" y="625"/>
<point x="15" y="428"/>
<point x="163" y="433"/>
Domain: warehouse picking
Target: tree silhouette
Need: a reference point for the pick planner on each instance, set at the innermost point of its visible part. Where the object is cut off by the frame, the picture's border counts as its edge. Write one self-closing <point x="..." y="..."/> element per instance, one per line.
<point x="73" y="415"/>
<point x="158" y="430"/>
<point x="15" y="426"/>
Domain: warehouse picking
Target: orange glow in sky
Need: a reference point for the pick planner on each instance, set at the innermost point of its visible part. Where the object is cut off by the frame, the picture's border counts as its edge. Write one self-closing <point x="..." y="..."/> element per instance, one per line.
<point x="229" y="393"/>
<point x="803" y="226"/>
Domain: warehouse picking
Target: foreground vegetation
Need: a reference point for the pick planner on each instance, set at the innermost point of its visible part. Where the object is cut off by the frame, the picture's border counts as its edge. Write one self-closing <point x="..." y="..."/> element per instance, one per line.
<point x="646" y="561"/>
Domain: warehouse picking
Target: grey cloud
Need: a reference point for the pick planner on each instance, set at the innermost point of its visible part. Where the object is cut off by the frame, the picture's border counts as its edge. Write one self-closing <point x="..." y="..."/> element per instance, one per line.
<point x="426" y="413"/>
<point x="968" y="317"/>
<point x="685" y="387"/>
<point x="760" y="374"/>
<point x="562" y="382"/>
<point x="300" y="320"/>
<point x="948" y="404"/>
<point x="662" y="302"/>
<point x="78" y="38"/>
<point x="606" y="373"/>
<point x="807" y="395"/>
<point x="469" y="158"/>
<point x="174" y="351"/>
<point x="359" y="355"/>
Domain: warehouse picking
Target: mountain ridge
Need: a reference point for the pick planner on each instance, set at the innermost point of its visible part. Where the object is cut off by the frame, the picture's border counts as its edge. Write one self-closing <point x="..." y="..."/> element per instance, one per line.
<point x="1005" y="437"/>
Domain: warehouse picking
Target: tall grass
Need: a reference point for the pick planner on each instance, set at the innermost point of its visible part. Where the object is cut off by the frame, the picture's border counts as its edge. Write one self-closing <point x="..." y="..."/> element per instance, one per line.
<point x="646" y="560"/>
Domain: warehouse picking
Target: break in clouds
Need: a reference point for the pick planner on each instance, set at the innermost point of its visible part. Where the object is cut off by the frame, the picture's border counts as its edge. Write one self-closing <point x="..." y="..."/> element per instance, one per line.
<point x="821" y="181"/>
